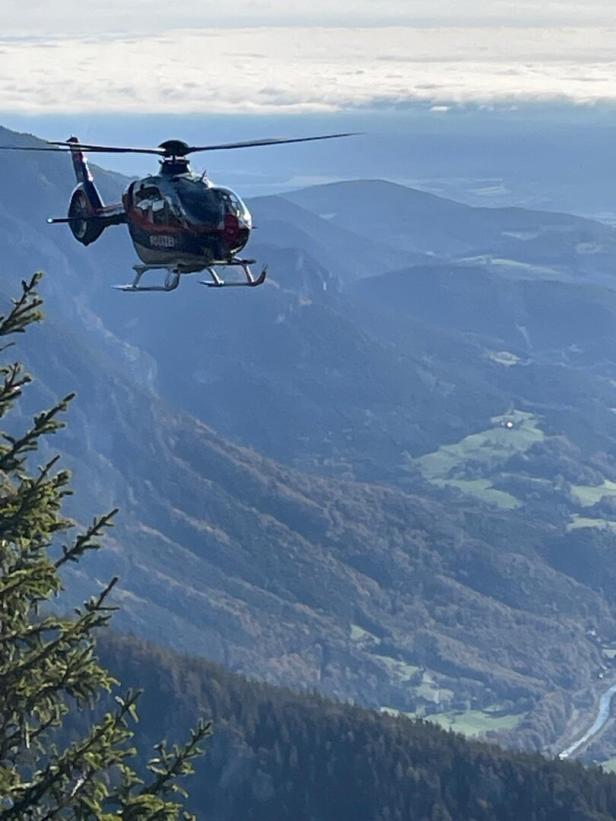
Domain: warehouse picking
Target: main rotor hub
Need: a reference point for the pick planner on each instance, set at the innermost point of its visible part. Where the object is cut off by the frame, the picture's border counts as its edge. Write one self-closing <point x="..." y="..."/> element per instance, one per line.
<point x="174" y="160"/>
<point x="175" y="148"/>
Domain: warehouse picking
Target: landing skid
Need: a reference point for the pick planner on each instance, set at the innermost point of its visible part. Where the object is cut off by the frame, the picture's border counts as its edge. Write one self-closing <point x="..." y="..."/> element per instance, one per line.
<point x="244" y="264"/>
<point x="174" y="273"/>
<point x="172" y="279"/>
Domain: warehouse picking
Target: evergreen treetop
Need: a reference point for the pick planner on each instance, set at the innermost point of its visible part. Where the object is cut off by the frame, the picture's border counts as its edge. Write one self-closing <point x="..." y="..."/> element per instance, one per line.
<point x="48" y="663"/>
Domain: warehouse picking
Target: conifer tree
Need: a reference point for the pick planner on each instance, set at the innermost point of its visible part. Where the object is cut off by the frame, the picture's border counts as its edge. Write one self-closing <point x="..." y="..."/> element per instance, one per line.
<point x="48" y="664"/>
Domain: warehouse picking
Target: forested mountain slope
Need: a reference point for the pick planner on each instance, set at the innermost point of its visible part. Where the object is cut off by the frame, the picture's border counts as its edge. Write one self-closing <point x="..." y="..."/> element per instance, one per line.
<point x="389" y="490"/>
<point x="360" y="590"/>
<point x="279" y="755"/>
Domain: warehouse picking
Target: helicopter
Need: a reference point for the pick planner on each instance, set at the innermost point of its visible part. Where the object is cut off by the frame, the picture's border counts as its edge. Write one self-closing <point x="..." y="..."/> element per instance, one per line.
<point x="179" y="221"/>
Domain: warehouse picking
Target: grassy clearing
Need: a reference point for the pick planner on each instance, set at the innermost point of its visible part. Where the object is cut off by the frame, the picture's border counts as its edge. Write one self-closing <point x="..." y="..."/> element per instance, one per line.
<point x="391" y="711"/>
<point x="578" y="522"/>
<point x="609" y="766"/>
<point x="359" y="635"/>
<point x="482" y="489"/>
<point x="425" y="688"/>
<point x="471" y="723"/>
<point x="398" y="669"/>
<point x="474" y="723"/>
<point x="430" y="691"/>
<point x="589" y="495"/>
<point x="486" y="452"/>
<point x="505" y="358"/>
<point x="489" y="448"/>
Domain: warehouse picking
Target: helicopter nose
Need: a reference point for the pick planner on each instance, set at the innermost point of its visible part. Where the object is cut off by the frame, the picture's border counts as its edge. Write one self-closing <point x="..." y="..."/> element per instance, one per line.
<point x="231" y="230"/>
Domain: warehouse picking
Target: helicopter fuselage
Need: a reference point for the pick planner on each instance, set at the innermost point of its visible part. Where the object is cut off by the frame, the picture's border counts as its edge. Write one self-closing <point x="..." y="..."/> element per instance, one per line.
<point x="185" y="219"/>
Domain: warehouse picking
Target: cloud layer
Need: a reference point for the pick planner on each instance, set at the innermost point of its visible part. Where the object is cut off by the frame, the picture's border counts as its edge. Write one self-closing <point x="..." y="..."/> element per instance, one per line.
<point x="298" y="68"/>
<point x="64" y="18"/>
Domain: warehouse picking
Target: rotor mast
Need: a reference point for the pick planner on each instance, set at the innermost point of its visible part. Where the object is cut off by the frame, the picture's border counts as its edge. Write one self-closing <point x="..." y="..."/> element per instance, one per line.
<point x="174" y="159"/>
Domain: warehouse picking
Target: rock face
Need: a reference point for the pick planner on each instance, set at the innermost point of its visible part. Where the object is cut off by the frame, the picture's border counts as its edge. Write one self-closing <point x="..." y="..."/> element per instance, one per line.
<point x="385" y="487"/>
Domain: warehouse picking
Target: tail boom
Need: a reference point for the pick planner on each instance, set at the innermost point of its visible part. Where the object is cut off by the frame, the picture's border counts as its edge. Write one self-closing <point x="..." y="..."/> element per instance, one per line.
<point x="88" y="216"/>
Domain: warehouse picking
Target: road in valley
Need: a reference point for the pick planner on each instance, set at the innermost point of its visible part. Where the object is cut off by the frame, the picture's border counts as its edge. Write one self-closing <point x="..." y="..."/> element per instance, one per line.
<point x="603" y="714"/>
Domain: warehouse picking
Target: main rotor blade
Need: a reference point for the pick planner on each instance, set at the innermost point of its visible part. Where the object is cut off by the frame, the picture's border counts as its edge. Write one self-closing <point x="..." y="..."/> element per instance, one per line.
<point x="271" y="141"/>
<point x="28" y="148"/>
<point x="107" y="149"/>
<point x="65" y="147"/>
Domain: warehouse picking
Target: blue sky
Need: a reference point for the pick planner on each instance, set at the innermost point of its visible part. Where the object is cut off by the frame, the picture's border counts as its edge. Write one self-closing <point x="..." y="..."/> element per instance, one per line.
<point x="301" y="57"/>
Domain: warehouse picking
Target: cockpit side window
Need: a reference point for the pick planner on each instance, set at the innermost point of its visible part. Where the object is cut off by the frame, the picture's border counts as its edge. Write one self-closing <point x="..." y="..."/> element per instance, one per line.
<point x="146" y="192"/>
<point x="147" y="198"/>
<point x="160" y="212"/>
<point x="157" y="207"/>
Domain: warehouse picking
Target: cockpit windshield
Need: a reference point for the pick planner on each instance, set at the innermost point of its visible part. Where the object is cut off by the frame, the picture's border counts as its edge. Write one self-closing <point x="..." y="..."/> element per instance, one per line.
<point x="233" y="203"/>
<point x="201" y="201"/>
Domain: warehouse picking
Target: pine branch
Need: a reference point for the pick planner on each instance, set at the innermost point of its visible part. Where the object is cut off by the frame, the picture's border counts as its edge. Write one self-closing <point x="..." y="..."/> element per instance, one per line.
<point x="73" y="759"/>
<point x="15" y="379"/>
<point x="168" y="766"/>
<point x="44" y="424"/>
<point x="97" y="614"/>
<point x="25" y="310"/>
<point x="34" y="577"/>
<point x="42" y="495"/>
<point x="86" y="541"/>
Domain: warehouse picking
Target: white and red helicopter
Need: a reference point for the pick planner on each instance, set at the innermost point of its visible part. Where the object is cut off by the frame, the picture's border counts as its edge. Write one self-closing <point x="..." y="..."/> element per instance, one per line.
<point x="179" y="222"/>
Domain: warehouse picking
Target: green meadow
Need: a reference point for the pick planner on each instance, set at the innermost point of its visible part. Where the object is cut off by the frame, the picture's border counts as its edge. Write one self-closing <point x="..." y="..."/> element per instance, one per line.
<point x="578" y="522"/>
<point x="474" y="723"/>
<point x="470" y="723"/>
<point x="589" y="495"/>
<point x="483" y="453"/>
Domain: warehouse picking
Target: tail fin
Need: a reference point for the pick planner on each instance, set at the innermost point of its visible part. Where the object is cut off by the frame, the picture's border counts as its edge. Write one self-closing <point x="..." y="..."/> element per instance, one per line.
<point x="84" y="177"/>
<point x="87" y="214"/>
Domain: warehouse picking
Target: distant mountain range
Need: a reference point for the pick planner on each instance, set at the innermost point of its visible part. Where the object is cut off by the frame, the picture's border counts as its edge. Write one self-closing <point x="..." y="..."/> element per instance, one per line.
<point x="388" y="474"/>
